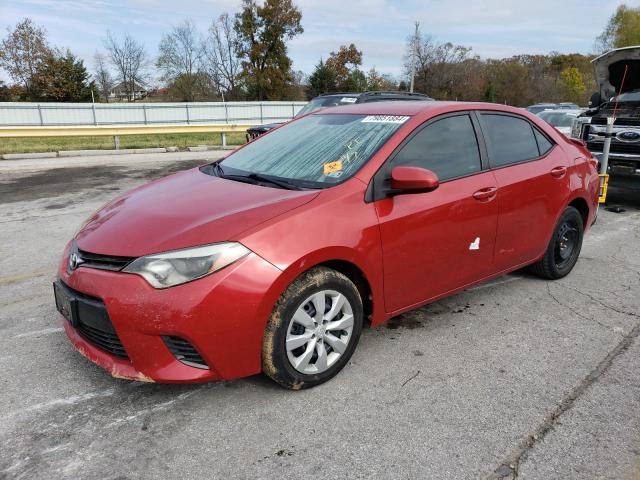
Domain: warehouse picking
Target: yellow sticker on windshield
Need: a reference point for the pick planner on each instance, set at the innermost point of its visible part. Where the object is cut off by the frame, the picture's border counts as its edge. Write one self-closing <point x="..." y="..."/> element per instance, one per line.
<point x="332" y="167"/>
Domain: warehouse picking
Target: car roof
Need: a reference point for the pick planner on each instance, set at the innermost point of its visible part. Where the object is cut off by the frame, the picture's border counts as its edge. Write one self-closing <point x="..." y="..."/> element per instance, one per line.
<point x="413" y="107"/>
<point x="568" y="111"/>
<point x="375" y="94"/>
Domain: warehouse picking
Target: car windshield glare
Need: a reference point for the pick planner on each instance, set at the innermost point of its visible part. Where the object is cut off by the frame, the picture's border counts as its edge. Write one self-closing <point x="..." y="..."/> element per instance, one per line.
<point x="558" y="119"/>
<point x="632" y="96"/>
<point x="316" y="151"/>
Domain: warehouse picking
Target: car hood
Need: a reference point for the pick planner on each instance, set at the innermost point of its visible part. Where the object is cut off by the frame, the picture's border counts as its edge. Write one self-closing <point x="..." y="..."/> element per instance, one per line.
<point x="183" y="210"/>
<point x="609" y="70"/>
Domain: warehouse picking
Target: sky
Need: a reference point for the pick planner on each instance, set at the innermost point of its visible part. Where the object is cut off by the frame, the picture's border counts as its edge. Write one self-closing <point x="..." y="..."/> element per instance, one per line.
<point x="492" y="28"/>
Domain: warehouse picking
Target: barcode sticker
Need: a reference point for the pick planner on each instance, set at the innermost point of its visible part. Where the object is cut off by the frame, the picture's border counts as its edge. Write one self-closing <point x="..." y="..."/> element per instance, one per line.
<point x="385" y="119"/>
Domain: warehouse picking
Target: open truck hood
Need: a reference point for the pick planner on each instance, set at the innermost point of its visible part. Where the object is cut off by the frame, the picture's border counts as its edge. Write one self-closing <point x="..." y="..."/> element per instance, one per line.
<point x="609" y="70"/>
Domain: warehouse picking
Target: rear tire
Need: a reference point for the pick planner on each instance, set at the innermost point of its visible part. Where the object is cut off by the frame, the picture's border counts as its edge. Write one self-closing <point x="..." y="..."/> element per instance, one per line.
<point x="564" y="248"/>
<point x="304" y="346"/>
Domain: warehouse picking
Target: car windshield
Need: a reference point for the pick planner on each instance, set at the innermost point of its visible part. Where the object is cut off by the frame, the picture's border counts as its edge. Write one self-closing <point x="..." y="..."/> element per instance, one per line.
<point x="323" y="102"/>
<point x="632" y="96"/>
<point x="316" y="151"/>
<point x="557" y="119"/>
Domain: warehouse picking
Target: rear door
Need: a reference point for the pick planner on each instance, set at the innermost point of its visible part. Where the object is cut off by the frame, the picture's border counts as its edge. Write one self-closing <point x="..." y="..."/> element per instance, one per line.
<point x="531" y="173"/>
<point x="441" y="240"/>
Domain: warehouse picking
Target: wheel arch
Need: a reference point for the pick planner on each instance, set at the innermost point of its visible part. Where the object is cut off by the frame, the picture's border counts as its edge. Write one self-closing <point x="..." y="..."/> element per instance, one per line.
<point x="367" y="277"/>
<point x="580" y="204"/>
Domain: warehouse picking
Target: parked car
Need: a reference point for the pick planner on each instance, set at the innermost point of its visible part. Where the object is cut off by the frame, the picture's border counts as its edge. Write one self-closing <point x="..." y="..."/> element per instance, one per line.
<point x="568" y="106"/>
<point x="562" y="120"/>
<point x="336" y="100"/>
<point x="540" y="107"/>
<point x="273" y="259"/>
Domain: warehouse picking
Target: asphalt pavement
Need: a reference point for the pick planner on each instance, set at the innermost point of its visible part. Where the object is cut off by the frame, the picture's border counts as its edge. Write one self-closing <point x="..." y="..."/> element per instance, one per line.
<point x="518" y="377"/>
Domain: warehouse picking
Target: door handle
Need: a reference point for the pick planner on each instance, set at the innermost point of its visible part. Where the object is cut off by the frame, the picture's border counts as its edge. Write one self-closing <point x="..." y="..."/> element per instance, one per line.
<point x="558" y="172"/>
<point x="485" y="194"/>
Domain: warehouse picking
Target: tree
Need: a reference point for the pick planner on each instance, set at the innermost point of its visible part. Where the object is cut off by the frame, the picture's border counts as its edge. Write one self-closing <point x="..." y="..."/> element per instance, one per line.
<point x="262" y="35"/>
<point x="622" y="30"/>
<point x="179" y="60"/>
<point x="444" y="70"/>
<point x="130" y="61"/>
<point x="379" y="82"/>
<point x="5" y="96"/>
<point x="572" y="85"/>
<point x="220" y="57"/>
<point x="23" y="53"/>
<point x="102" y="76"/>
<point x="345" y="63"/>
<point x="322" y="80"/>
<point x="64" y="79"/>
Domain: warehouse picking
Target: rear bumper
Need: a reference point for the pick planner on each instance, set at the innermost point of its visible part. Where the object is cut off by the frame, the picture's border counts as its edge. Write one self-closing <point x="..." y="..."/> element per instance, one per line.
<point x="222" y="315"/>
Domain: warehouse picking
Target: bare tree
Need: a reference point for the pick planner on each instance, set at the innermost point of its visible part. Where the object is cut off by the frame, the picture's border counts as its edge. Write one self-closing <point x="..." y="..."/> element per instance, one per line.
<point x="102" y="76"/>
<point x="24" y="52"/>
<point x="130" y="60"/>
<point x="220" y="56"/>
<point x="179" y="60"/>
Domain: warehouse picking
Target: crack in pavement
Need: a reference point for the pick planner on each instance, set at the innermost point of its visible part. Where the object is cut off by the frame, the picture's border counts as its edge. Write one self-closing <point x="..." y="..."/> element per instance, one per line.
<point x="508" y="468"/>
<point x="573" y="310"/>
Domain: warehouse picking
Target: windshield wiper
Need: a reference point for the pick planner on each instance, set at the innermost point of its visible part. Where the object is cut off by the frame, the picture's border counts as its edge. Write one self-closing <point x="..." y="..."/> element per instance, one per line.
<point x="278" y="183"/>
<point x="253" y="178"/>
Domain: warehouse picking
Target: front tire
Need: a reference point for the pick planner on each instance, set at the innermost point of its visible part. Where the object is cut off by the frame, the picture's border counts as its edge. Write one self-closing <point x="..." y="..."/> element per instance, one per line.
<point x="313" y="329"/>
<point x="564" y="248"/>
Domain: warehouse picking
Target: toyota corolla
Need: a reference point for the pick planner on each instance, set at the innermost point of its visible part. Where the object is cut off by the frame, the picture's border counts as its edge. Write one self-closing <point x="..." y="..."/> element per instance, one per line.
<point x="273" y="259"/>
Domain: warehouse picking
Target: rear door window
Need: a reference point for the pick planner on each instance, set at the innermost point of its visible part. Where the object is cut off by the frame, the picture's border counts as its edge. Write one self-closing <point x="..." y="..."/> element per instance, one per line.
<point x="448" y="147"/>
<point x="512" y="139"/>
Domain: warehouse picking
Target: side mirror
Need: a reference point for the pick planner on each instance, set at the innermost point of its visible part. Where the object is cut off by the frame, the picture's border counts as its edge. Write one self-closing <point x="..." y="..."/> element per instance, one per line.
<point x="405" y="179"/>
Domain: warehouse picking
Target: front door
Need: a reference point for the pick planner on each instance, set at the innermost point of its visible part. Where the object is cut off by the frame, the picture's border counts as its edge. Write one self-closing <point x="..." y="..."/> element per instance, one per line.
<point x="438" y="241"/>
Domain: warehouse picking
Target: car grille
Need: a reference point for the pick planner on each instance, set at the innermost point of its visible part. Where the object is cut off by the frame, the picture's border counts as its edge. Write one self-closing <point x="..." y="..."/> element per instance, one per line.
<point x="102" y="339"/>
<point x="616" y="147"/>
<point x="103" y="262"/>
<point x="185" y="352"/>
<point x="625" y="121"/>
<point x="93" y="323"/>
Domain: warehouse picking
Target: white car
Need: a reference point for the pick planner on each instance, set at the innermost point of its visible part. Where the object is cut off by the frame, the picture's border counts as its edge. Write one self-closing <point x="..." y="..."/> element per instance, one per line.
<point x="560" y="119"/>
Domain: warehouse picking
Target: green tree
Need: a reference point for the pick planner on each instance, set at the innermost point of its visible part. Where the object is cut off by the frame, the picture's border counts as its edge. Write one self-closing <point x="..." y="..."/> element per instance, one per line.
<point x="379" y="82"/>
<point x="64" y="79"/>
<point x="322" y="80"/>
<point x="490" y="93"/>
<point x="4" y="92"/>
<point x="622" y="30"/>
<point x="263" y="31"/>
<point x="572" y="85"/>
<point x="23" y="53"/>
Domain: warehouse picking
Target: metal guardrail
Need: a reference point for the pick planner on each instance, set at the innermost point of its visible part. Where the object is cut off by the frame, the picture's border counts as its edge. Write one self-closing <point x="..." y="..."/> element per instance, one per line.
<point x="116" y="131"/>
<point x="22" y="114"/>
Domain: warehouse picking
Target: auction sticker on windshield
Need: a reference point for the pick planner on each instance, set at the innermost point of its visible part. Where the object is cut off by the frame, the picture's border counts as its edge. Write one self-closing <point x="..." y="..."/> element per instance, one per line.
<point x="385" y="119"/>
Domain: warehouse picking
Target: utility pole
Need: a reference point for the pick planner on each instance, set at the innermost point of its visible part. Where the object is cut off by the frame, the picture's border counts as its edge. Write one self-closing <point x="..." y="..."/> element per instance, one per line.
<point x="414" y="54"/>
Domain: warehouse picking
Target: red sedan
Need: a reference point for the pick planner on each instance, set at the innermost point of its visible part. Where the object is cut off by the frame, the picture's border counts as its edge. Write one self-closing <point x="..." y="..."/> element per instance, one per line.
<point x="273" y="259"/>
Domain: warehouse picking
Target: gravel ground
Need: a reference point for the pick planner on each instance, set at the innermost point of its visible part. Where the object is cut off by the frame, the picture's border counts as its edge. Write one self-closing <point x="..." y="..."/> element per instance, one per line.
<point x="516" y="377"/>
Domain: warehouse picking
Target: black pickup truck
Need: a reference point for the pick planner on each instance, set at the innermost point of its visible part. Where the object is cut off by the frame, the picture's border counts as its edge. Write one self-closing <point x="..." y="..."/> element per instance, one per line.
<point x="337" y="99"/>
<point x="622" y="89"/>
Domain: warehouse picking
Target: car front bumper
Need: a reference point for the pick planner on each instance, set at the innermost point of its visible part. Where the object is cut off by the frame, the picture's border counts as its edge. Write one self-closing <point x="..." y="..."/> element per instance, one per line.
<point x="222" y="316"/>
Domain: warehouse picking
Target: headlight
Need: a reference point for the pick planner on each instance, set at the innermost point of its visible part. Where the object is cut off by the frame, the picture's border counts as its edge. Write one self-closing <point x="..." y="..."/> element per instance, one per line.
<point x="168" y="269"/>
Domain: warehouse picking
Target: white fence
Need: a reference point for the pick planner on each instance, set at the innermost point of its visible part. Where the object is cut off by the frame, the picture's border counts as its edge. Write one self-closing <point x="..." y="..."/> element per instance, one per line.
<point x="79" y="114"/>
